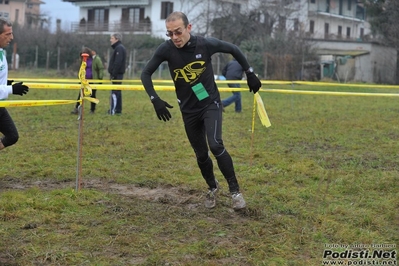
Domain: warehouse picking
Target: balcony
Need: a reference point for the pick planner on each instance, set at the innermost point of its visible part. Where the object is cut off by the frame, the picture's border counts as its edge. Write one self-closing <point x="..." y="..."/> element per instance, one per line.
<point x="106" y="27"/>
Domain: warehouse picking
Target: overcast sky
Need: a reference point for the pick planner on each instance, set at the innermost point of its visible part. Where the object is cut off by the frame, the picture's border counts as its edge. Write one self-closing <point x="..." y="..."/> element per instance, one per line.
<point x="57" y="9"/>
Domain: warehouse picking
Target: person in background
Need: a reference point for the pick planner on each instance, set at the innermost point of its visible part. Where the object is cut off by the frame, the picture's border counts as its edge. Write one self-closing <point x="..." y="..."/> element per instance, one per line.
<point x="190" y="66"/>
<point x="94" y="70"/>
<point x="233" y="71"/>
<point x="7" y="126"/>
<point x="98" y="74"/>
<point x="116" y="69"/>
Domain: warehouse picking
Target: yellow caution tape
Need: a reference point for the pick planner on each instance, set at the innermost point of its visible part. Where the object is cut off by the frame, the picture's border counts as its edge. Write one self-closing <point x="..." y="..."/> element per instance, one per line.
<point x="86" y="89"/>
<point x="43" y="102"/>
<point x="264" y="118"/>
<point x="333" y="93"/>
<point x="93" y="100"/>
<point x="35" y="103"/>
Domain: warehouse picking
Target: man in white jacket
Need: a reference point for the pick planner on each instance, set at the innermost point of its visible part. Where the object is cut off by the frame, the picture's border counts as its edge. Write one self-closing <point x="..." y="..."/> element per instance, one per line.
<point x="7" y="126"/>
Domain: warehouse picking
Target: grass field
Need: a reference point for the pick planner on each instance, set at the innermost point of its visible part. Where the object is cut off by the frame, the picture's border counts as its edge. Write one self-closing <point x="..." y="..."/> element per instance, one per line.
<point x="326" y="172"/>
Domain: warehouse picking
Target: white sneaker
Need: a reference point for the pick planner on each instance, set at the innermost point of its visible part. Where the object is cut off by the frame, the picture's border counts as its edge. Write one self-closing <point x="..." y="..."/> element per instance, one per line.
<point x="210" y="199"/>
<point x="238" y="201"/>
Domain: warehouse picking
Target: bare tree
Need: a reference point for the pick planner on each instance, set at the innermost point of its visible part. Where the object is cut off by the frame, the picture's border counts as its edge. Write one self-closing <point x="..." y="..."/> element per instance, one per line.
<point x="383" y="16"/>
<point x="262" y="30"/>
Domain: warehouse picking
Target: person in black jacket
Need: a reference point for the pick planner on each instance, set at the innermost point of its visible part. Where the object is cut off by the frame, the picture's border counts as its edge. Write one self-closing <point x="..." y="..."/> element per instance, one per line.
<point x="116" y="69"/>
<point x="189" y="60"/>
<point x="233" y="71"/>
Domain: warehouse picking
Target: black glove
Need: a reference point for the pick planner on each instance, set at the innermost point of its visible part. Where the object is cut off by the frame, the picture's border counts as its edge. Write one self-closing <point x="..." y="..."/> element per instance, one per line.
<point x="19" y="89"/>
<point x="253" y="82"/>
<point x="160" y="109"/>
<point x="9" y="82"/>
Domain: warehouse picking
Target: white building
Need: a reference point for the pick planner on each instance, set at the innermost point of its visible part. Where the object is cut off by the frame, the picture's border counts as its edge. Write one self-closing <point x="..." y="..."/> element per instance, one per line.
<point x="324" y="19"/>
<point x="338" y="28"/>
<point x="336" y="19"/>
<point x="138" y="16"/>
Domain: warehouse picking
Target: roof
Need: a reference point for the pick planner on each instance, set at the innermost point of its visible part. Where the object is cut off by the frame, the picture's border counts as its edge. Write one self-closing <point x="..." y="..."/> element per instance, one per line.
<point x="341" y="52"/>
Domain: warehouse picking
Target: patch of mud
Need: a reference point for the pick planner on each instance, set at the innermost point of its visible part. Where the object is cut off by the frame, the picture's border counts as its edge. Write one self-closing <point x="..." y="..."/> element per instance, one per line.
<point x="186" y="198"/>
<point x="167" y="195"/>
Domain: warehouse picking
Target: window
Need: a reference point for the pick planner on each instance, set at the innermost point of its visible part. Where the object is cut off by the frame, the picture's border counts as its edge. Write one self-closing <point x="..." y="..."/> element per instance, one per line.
<point x="349" y="5"/>
<point x="326" y="30"/>
<point x="16" y="14"/>
<point x="282" y="23"/>
<point x="348" y="32"/>
<point x="296" y="24"/>
<point x="340" y="9"/>
<point x="132" y="15"/>
<point x="311" y="27"/>
<point x="313" y="1"/>
<point x="97" y="17"/>
<point x="166" y="9"/>
<point x="361" y="33"/>
<point x="339" y="31"/>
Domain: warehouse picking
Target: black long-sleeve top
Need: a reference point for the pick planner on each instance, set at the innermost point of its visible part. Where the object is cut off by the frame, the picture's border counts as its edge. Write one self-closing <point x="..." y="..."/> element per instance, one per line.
<point x="189" y="66"/>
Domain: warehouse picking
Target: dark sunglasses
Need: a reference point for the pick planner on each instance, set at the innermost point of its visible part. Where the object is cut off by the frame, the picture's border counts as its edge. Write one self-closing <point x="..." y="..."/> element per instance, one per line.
<point x="171" y="33"/>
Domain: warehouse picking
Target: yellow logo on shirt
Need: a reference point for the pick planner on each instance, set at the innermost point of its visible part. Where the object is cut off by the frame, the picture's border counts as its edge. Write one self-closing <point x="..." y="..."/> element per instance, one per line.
<point x="191" y="72"/>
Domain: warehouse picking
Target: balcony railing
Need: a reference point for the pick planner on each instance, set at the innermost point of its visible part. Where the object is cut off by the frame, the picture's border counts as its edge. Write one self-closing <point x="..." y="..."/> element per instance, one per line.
<point x="95" y="27"/>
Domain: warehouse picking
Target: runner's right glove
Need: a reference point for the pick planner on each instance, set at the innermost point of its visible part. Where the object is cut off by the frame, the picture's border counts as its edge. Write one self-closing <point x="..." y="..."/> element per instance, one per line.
<point x="160" y="109"/>
<point x="19" y="89"/>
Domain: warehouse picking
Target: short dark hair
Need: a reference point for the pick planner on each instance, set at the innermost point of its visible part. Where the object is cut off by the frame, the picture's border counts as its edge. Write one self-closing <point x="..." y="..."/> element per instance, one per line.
<point x="4" y="22"/>
<point x="178" y="15"/>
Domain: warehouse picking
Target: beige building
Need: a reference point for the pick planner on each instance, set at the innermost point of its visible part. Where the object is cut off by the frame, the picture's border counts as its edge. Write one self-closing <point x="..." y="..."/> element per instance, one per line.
<point x="21" y="12"/>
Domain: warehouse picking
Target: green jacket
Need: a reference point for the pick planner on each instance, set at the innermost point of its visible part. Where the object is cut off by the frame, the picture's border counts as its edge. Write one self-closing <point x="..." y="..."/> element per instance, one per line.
<point x="97" y="68"/>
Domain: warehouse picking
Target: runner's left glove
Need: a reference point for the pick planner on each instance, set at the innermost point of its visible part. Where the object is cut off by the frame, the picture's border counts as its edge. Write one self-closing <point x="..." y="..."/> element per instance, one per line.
<point x="9" y="82"/>
<point x="160" y="109"/>
<point x="253" y="82"/>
